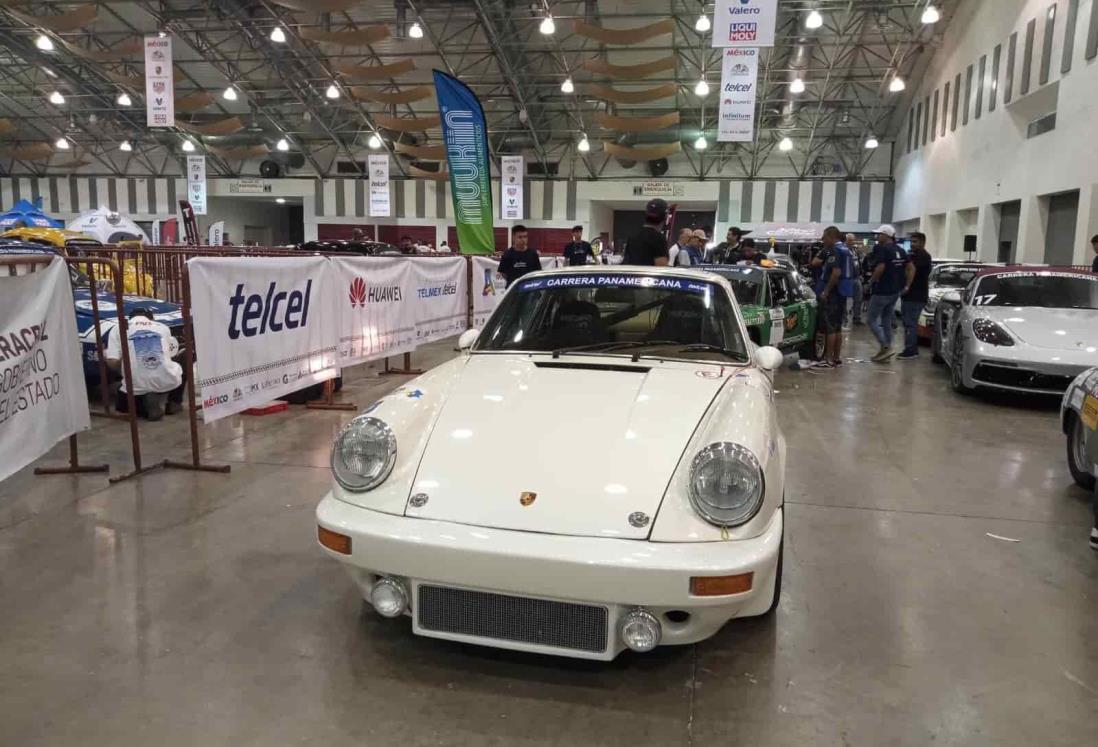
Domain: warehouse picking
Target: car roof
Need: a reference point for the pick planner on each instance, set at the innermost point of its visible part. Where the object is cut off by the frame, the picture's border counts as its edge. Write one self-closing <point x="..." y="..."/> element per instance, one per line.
<point x="1035" y="269"/>
<point x="747" y="272"/>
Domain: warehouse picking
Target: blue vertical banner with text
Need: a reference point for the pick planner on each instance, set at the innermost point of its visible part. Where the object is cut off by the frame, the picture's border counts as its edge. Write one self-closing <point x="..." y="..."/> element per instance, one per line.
<point x="466" y="137"/>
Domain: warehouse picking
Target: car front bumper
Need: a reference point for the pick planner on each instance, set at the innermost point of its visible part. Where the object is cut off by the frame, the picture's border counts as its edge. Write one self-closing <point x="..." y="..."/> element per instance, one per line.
<point x="1014" y="369"/>
<point x="615" y="574"/>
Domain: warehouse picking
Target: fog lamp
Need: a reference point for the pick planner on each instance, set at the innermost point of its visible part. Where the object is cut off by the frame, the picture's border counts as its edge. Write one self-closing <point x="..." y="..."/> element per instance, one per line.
<point x="641" y="631"/>
<point x="388" y="597"/>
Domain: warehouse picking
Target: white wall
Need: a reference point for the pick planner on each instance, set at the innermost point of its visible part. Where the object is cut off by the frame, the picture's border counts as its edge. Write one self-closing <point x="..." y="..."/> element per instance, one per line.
<point x="990" y="160"/>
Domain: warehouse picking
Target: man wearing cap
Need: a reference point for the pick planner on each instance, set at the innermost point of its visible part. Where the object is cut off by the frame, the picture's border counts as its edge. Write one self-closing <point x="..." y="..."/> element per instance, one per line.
<point x="577" y="250"/>
<point x="888" y="280"/>
<point x="648" y="246"/>
<point x="692" y="252"/>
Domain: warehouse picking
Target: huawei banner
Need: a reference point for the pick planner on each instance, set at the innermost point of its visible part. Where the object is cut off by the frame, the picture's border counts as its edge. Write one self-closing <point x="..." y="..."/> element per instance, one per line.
<point x="159" y="82"/>
<point x="440" y="297"/>
<point x="511" y="197"/>
<point x="744" y="23"/>
<point x="263" y="327"/>
<point x="739" y="77"/>
<point x="42" y="394"/>
<point x="376" y="307"/>
<point x="487" y="289"/>
<point x="378" y="165"/>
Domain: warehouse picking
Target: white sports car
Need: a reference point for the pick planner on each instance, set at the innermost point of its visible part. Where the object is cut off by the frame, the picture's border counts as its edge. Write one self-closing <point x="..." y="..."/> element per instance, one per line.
<point x="944" y="277"/>
<point x="601" y="469"/>
<point x="1079" y="419"/>
<point x="1019" y="329"/>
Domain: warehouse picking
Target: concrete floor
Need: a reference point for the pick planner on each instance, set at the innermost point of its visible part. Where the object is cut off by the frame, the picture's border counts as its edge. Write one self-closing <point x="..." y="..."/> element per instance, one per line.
<point x="184" y="609"/>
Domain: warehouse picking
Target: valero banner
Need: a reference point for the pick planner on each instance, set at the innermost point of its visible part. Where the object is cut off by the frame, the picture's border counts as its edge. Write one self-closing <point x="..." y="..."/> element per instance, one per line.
<point x="466" y="136"/>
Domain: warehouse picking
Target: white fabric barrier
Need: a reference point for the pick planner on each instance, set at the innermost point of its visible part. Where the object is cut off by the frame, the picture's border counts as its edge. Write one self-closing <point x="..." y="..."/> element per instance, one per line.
<point x="440" y="295"/>
<point x="377" y="308"/>
<point x="42" y="393"/>
<point x="488" y="288"/>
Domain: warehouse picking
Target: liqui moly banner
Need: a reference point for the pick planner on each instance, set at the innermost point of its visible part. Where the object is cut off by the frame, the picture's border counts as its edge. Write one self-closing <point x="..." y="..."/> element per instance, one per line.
<point x="744" y="23"/>
<point x="376" y="307"/>
<point x="488" y="288"/>
<point x="511" y="196"/>
<point x="263" y="327"/>
<point x="466" y="136"/>
<point x="440" y="297"/>
<point x="42" y="394"/>
<point x="378" y="166"/>
<point x="159" y="82"/>
<point x="739" y="81"/>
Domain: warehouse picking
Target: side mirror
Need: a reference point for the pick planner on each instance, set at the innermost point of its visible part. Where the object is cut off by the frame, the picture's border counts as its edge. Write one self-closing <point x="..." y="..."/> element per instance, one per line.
<point x="468" y="337"/>
<point x="769" y="358"/>
<point x="953" y="297"/>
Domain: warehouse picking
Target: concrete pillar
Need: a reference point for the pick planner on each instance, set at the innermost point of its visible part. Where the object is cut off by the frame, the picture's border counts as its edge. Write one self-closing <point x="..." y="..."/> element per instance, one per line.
<point x="1032" y="225"/>
<point x="953" y="242"/>
<point x="308" y="217"/>
<point x="1087" y="225"/>
<point x="987" y="233"/>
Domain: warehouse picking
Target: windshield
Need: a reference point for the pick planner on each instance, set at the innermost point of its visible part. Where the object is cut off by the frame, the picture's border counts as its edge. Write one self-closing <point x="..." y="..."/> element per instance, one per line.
<point x="746" y="284"/>
<point x="616" y="314"/>
<point x="1051" y="291"/>
<point x="953" y="277"/>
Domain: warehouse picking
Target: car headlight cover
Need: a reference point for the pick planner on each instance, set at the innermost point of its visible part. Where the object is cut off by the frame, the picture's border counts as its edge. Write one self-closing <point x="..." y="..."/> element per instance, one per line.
<point x="726" y="484"/>
<point x="363" y="454"/>
<point x="991" y="332"/>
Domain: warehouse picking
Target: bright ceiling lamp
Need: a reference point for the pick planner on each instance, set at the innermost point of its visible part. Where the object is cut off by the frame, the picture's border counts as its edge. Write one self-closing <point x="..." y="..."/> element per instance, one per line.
<point x="931" y="15"/>
<point x="374" y="142"/>
<point x="897" y="84"/>
<point x="814" y="20"/>
<point x="785" y="145"/>
<point x="44" y="43"/>
<point x="62" y="144"/>
<point x="283" y="144"/>
<point x="229" y="94"/>
<point x="584" y="145"/>
<point x="871" y="143"/>
<point x="567" y="86"/>
<point x="702" y="24"/>
<point x="547" y="26"/>
<point x="332" y="92"/>
<point x="188" y="146"/>
<point x="702" y="89"/>
<point x="797" y="86"/>
<point x="124" y="99"/>
<point x="278" y="36"/>
<point x="701" y="143"/>
<point x="57" y="98"/>
<point x="280" y="200"/>
<point x="415" y="31"/>
<point x="125" y="146"/>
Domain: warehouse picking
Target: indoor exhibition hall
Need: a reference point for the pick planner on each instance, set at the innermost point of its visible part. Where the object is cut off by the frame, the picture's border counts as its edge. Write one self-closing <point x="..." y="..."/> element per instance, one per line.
<point x="558" y="372"/>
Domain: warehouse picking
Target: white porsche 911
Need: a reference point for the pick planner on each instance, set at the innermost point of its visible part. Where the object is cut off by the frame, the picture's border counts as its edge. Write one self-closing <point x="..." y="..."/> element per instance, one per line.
<point x="600" y="469"/>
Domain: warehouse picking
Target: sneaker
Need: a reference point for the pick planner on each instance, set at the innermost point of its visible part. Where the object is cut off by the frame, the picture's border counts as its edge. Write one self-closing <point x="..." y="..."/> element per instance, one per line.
<point x="154" y="405"/>
<point x="907" y="355"/>
<point x="823" y="364"/>
<point x="1094" y="538"/>
<point x="882" y="355"/>
<point x="837" y="363"/>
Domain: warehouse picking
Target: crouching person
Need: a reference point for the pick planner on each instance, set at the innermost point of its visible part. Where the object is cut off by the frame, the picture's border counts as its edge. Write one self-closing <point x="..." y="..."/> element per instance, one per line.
<point x="157" y="379"/>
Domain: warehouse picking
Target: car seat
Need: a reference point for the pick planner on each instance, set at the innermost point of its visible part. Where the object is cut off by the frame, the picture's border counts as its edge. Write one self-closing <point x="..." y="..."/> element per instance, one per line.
<point x="577" y="323"/>
<point x="683" y="319"/>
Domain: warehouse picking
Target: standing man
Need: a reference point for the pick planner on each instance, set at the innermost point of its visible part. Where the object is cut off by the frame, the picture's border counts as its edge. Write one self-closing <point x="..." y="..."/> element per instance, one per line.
<point x="519" y="259"/>
<point x="857" y="298"/>
<point x="1094" y="246"/>
<point x="693" y="252"/>
<point x="888" y="279"/>
<point x="728" y="251"/>
<point x="686" y="235"/>
<point x="834" y="288"/>
<point x="648" y="247"/>
<point x="577" y="250"/>
<point x="915" y="294"/>
<point x="157" y="383"/>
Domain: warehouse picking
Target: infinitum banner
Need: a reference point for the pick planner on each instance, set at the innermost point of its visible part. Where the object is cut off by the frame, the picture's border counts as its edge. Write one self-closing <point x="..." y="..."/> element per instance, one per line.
<point x="466" y="136"/>
<point x="744" y="23"/>
<point x="739" y="78"/>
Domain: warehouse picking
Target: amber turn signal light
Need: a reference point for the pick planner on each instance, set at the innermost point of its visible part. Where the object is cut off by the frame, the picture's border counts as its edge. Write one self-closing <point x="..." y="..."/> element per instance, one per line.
<point x="720" y="586"/>
<point x="334" y="541"/>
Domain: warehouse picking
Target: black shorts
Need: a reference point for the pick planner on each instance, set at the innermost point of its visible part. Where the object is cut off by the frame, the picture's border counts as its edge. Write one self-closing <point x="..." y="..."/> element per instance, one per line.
<point x="832" y="312"/>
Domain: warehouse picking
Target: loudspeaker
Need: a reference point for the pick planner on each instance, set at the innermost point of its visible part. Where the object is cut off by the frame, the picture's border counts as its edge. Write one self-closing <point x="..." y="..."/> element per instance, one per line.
<point x="270" y="170"/>
<point x="658" y="167"/>
<point x="970" y="244"/>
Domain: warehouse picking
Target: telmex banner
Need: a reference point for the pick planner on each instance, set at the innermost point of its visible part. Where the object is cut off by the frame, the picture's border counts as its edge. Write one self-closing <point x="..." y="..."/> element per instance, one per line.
<point x="42" y="393"/>
<point x="744" y="23"/>
<point x="739" y="80"/>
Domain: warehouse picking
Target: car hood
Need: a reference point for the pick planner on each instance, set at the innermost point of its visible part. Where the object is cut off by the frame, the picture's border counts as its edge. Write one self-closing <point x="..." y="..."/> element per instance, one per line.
<point x="571" y="446"/>
<point x="163" y="311"/>
<point x="1059" y="329"/>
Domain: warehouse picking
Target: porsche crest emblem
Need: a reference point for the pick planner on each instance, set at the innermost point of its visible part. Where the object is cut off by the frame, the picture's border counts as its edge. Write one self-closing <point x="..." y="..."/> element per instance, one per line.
<point x="527" y="498"/>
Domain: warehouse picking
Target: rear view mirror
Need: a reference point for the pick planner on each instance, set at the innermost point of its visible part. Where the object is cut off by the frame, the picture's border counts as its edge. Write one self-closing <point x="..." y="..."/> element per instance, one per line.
<point x="769" y="358"/>
<point x="468" y="337"/>
<point x="953" y="297"/>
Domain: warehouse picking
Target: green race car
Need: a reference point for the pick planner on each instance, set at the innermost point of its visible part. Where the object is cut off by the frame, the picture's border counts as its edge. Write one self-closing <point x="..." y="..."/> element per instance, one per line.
<point x="778" y="307"/>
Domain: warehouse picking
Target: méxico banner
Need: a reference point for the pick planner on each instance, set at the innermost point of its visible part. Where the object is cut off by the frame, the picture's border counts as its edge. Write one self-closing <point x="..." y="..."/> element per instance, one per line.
<point x="488" y="288"/>
<point x="466" y="136"/>
<point x="744" y="23"/>
<point x="510" y="177"/>
<point x="376" y="307"/>
<point x="263" y="327"/>
<point x="378" y="167"/>
<point x="159" y="82"/>
<point x="739" y="78"/>
<point x="42" y="393"/>
<point x="439" y="297"/>
<point x="196" y="183"/>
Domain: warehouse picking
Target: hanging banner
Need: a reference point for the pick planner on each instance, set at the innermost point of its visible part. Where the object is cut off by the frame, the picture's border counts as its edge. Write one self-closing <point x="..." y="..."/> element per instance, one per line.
<point x="744" y="23"/>
<point x="511" y="196"/>
<point x="43" y="398"/>
<point x="487" y="290"/>
<point x="216" y="235"/>
<point x="190" y="225"/>
<point x="196" y="183"/>
<point x="376" y="307"/>
<point x="380" y="206"/>
<point x="439" y="297"/>
<point x="159" y="82"/>
<point x="156" y="233"/>
<point x="466" y="136"/>
<point x="739" y="80"/>
<point x="263" y="327"/>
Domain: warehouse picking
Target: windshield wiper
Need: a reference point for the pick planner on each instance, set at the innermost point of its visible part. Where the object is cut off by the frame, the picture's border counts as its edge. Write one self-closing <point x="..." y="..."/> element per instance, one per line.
<point x="610" y="346"/>
<point x="703" y="348"/>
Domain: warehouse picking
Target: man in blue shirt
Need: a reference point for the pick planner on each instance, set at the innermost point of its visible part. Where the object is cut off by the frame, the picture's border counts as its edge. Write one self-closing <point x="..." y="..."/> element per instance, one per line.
<point x="888" y="279"/>
<point x="834" y="288"/>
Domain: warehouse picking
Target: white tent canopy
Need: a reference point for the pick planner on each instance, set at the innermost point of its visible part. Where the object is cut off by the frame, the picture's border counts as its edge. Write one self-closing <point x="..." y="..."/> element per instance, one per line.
<point x="108" y="227"/>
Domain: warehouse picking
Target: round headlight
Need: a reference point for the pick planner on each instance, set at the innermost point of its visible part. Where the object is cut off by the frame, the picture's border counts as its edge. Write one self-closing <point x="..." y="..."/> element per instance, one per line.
<point x="726" y="484"/>
<point x="363" y="455"/>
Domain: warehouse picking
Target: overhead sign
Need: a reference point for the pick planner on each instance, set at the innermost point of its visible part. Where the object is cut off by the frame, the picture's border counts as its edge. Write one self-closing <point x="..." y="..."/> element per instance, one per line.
<point x="380" y="202"/>
<point x="249" y="186"/>
<point x="744" y="23"/>
<point x="42" y="394"/>
<point x="376" y="299"/>
<point x="511" y="196"/>
<point x="196" y="183"/>
<point x="739" y="83"/>
<point x="659" y="188"/>
<point x="159" y="82"/>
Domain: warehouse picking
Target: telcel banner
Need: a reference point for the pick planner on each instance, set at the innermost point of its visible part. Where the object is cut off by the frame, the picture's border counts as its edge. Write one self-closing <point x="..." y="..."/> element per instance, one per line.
<point x="511" y="196"/>
<point x="466" y="136"/>
<point x="377" y="317"/>
<point x="744" y="23"/>
<point x="739" y="81"/>
<point x="378" y="165"/>
<point x="262" y="328"/>
<point x="42" y="393"/>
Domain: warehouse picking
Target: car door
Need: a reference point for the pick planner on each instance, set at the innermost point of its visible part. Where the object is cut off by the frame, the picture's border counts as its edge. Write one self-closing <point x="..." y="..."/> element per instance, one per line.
<point x="787" y="310"/>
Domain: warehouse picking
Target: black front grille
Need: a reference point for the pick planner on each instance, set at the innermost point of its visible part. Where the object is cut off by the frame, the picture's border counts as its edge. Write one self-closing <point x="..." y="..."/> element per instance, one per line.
<point x="1020" y="378"/>
<point x="540" y="622"/>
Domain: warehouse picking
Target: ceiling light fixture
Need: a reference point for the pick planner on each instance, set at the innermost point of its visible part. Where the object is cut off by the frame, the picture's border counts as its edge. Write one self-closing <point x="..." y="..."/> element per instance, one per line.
<point x="161" y="34"/>
<point x="702" y="89"/>
<point x="125" y="146"/>
<point x="701" y="143"/>
<point x="280" y="200"/>
<point x="797" y="86"/>
<point x="702" y="24"/>
<point x="229" y="94"/>
<point x="62" y="144"/>
<point x="188" y="146"/>
<point x="374" y="142"/>
<point x="814" y="20"/>
<point x="57" y="98"/>
<point x="44" y="43"/>
<point x="415" y="31"/>
<point x="567" y="86"/>
<point x="547" y="26"/>
<point x="332" y="92"/>
<point x="931" y="15"/>
<point x="283" y="144"/>
<point x="871" y="143"/>
<point x="897" y="84"/>
<point x="49" y="72"/>
<point x="278" y="36"/>
<point x="124" y="99"/>
<point x="785" y="145"/>
<point x="584" y="145"/>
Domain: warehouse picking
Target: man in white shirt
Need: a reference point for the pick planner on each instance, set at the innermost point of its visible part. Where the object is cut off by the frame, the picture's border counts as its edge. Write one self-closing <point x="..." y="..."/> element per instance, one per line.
<point x="157" y="379"/>
<point x="685" y="237"/>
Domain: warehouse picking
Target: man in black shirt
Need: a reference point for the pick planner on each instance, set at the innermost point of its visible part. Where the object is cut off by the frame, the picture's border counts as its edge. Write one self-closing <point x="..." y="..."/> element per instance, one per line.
<point x="519" y="259"/>
<point x="729" y="250"/>
<point x="915" y="294"/>
<point x="648" y="246"/>
<point x="577" y="251"/>
<point x="1094" y="246"/>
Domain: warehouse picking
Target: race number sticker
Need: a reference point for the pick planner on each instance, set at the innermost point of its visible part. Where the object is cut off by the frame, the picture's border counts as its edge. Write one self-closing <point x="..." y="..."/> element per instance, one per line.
<point x="1090" y="412"/>
<point x="777" y="326"/>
